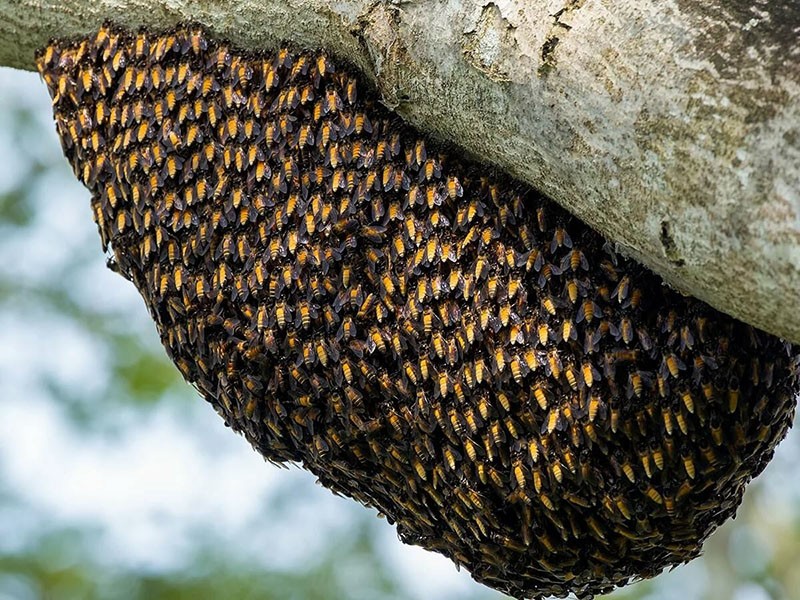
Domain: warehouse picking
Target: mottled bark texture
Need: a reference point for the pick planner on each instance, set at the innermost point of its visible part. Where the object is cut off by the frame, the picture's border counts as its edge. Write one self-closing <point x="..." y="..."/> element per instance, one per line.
<point x="673" y="127"/>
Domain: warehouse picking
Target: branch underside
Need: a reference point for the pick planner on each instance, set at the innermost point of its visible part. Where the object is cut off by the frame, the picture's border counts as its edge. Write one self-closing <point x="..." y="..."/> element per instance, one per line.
<point x="668" y="126"/>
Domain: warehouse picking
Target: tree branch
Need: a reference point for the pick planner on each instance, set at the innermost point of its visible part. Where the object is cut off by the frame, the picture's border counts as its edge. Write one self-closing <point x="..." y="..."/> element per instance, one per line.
<point x="673" y="127"/>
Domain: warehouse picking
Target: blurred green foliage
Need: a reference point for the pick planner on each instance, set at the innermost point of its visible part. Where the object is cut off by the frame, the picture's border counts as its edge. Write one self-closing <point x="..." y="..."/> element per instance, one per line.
<point x="57" y="567"/>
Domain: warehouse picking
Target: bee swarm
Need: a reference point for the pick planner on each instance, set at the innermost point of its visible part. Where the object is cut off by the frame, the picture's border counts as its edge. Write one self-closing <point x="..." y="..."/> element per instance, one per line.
<point x="426" y="337"/>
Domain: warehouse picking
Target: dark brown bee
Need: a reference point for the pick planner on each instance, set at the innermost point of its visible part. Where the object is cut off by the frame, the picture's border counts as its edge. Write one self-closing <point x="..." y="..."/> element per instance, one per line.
<point x="433" y="340"/>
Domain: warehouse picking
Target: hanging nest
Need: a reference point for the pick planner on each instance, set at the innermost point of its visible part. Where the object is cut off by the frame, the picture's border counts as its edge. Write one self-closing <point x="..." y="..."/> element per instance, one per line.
<point x="424" y="335"/>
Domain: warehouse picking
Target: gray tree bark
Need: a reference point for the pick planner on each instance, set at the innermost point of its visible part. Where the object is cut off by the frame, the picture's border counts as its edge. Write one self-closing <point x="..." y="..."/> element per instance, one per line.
<point x="671" y="126"/>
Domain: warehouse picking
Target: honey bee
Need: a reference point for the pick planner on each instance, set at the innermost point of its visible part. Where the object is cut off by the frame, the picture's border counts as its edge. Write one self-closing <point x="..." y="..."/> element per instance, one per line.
<point x="549" y="305"/>
<point x="560" y="238"/>
<point x="733" y="396"/>
<point x="672" y="364"/>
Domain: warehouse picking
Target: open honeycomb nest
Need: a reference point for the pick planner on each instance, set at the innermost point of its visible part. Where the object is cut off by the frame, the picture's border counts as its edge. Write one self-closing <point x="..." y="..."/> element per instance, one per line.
<point x="424" y="335"/>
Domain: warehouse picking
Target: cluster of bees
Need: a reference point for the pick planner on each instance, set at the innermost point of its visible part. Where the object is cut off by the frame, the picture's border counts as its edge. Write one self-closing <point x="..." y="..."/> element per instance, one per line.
<point x="425" y="336"/>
